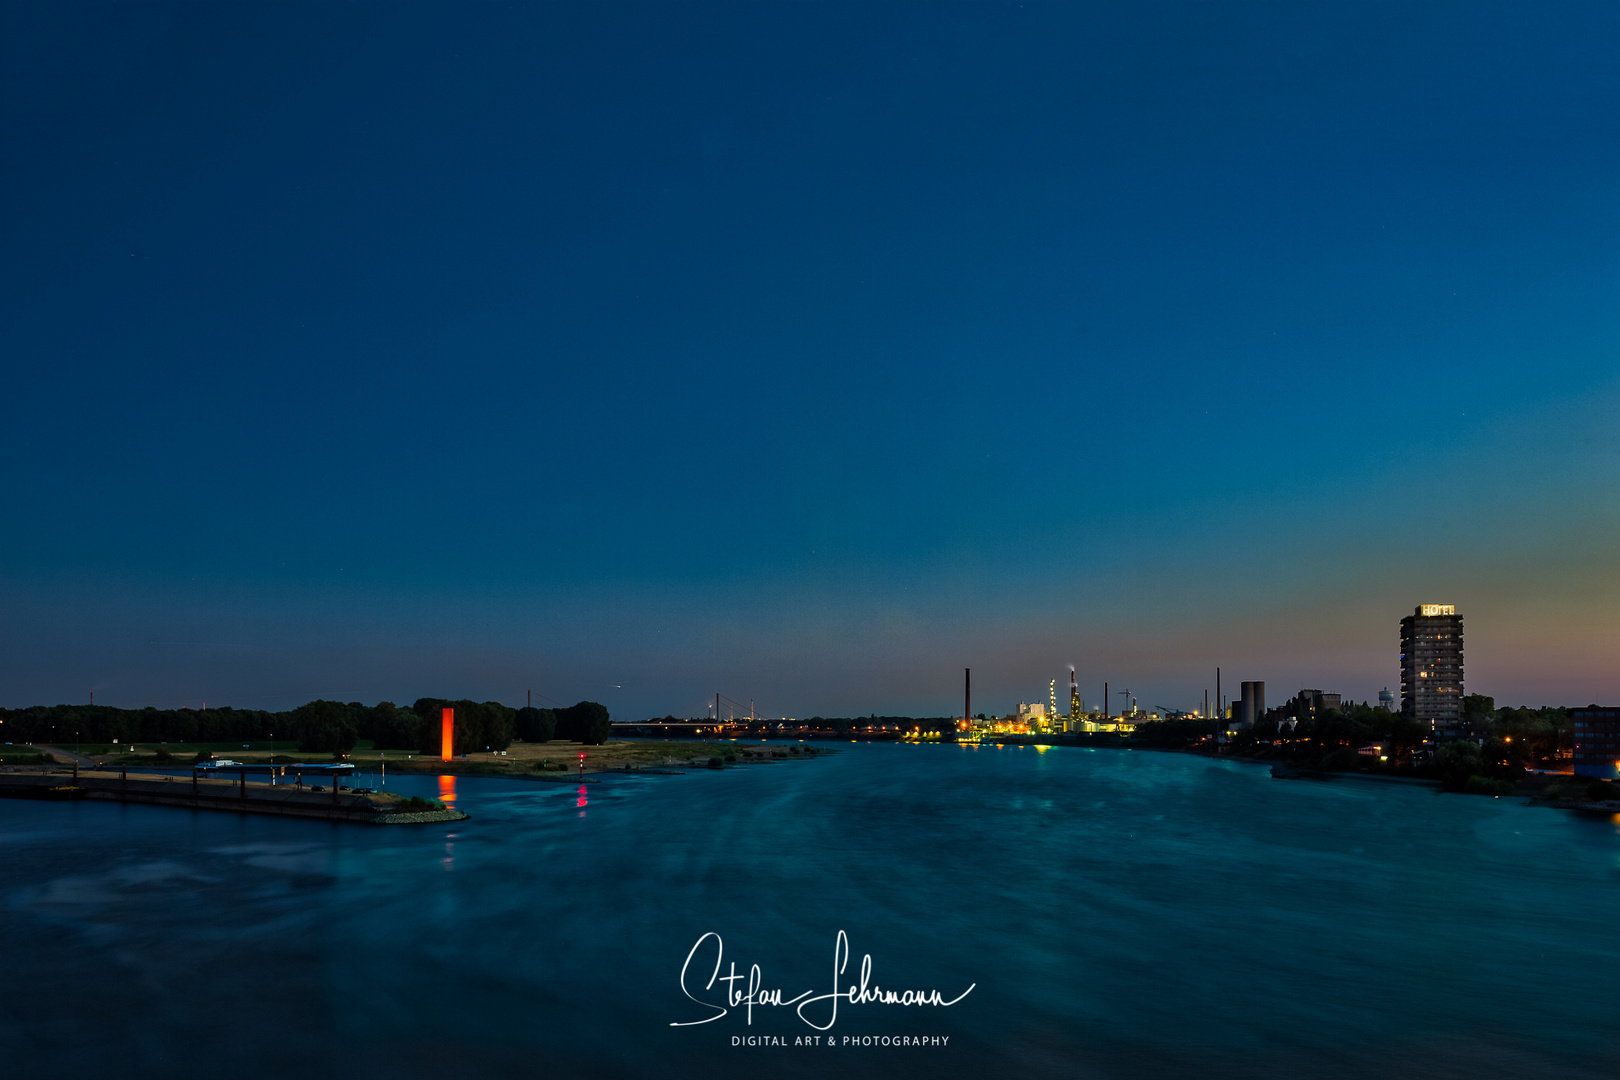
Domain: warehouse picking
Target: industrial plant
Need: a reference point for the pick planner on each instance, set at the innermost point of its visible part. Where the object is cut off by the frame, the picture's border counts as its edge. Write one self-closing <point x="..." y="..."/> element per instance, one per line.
<point x="1431" y="692"/>
<point x="1046" y="718"/>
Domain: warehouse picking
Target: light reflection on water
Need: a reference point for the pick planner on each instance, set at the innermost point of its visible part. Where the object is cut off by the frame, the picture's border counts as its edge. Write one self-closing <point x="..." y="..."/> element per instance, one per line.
<point x="1123" y="914"/>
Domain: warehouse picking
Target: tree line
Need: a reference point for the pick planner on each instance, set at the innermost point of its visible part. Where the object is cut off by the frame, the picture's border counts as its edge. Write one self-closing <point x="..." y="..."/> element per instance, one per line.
<point x="317" y="726"/>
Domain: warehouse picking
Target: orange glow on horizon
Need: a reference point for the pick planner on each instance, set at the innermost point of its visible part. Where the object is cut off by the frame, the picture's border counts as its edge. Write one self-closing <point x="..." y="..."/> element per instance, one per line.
<point x="447" y="749"/>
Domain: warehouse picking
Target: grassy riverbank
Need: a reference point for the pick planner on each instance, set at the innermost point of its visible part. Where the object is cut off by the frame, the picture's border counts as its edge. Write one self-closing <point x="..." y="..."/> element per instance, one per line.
<point x="556" y="758"/>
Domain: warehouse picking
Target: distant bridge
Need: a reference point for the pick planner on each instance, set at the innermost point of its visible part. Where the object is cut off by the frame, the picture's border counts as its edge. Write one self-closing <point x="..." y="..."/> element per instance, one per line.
<point x="670" y="727"/>
<point x="710" y="711"/>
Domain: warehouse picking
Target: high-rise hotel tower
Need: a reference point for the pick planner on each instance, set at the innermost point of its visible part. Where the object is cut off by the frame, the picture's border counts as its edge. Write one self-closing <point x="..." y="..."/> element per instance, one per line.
<point x="1432" y="668"/>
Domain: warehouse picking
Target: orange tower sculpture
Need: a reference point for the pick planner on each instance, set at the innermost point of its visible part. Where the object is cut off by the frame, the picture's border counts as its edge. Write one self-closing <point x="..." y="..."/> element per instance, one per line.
<point x="448" y="748"/>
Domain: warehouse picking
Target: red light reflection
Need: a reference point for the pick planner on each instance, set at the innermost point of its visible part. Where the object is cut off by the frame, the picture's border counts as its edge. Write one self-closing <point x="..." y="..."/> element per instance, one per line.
<point x="447" y="791"/>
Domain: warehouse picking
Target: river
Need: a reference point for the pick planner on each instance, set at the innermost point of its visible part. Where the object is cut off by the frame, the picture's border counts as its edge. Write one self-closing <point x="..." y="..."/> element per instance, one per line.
<point x="1116" y="914"/>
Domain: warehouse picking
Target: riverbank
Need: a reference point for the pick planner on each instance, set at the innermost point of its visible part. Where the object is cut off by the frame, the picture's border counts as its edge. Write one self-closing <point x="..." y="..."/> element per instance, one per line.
<point x="1563" y="791"/>
<point x="561" y="760"/>
<point x="1554" y="790"/>
<point x="282" y="800"/>
<point x="558" y="759"/>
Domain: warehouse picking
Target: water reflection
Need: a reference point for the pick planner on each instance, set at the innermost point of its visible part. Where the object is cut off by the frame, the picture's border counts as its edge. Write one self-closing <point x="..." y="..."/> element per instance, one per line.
<point x="581" y="801"/>
<point x="447" y="791"/>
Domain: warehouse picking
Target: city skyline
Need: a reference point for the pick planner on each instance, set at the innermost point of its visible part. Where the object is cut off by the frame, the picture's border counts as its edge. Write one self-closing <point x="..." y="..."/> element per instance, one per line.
<point x="630" y="353"/>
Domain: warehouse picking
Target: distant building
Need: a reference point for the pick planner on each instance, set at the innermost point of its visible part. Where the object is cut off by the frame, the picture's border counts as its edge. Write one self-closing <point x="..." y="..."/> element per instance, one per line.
<point x="1597" y="741"/>
<point x="1100" y="725"/>
<point x="1432" y="669"/>
<point x="1386" y="700"/>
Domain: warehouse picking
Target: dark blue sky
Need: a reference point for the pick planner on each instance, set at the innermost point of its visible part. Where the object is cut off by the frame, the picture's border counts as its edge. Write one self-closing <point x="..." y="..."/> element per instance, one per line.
<point x="804" y="352"/>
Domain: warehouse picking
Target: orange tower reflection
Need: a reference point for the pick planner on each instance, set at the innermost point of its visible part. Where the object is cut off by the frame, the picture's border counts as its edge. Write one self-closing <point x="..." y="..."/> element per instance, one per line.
<point x="447" y="791"/>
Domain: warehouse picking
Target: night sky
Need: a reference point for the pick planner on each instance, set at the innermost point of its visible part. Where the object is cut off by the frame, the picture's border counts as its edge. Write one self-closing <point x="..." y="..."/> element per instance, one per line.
<point x="807" y="353"/>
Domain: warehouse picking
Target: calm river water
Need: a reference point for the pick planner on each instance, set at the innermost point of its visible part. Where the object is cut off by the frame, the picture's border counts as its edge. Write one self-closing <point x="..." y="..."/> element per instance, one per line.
<point x="1117" y="914"/>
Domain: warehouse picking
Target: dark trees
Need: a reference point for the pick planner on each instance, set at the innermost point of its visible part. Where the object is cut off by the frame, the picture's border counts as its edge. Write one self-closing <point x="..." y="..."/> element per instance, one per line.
<point x="1477" y="709"/>
<point x="587" y="722"/>
<point x="535" y="725"/>
<point x="394" y="728"/>
<point x="325" y="727"/>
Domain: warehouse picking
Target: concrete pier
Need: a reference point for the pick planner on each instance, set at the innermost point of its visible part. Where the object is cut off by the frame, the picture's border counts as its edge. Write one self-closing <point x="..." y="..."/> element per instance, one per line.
<point x="233" y="794"/>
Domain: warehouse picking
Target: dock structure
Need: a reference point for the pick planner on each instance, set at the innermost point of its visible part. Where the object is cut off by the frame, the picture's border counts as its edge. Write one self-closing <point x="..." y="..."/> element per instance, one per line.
<point x="233" y="793"/>
<point x="333" y="773"/>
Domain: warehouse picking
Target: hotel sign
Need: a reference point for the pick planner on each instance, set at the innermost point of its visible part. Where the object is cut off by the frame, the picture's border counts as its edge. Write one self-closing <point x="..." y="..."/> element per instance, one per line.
<point x="1438" y="609"/>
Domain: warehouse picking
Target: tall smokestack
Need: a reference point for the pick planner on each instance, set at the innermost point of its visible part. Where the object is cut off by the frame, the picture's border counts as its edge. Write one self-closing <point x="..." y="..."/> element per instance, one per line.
<point x="1105" y="701"/>
<point x="967" y="695"/>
